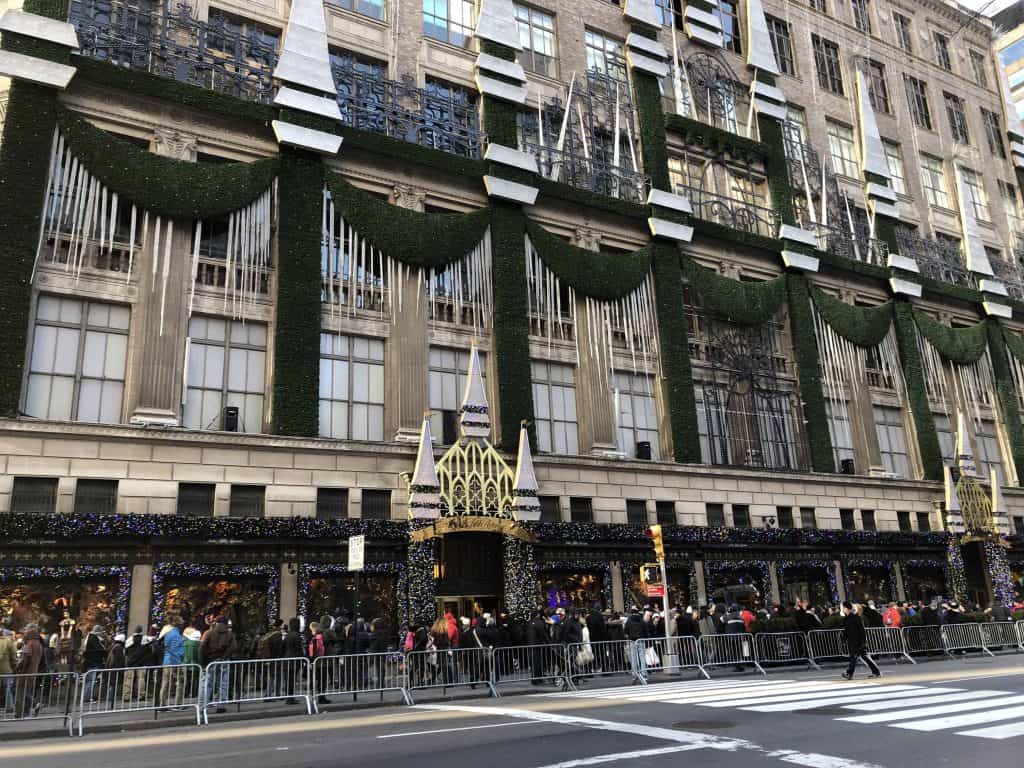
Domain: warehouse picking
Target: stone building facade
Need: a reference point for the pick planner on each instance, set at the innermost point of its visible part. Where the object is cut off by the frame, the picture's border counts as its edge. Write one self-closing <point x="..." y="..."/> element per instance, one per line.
<point x="184" y="425"/>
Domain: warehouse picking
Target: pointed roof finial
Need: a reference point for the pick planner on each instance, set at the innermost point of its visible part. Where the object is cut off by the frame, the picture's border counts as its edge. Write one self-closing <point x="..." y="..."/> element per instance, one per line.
<point x="525" y="504"/>
<point x="954" y="516"/>
<point x="999" y="516"/>
<point x="304" y="57"/>
<point x="425" y="488"/>
<point x="474" y="415"/>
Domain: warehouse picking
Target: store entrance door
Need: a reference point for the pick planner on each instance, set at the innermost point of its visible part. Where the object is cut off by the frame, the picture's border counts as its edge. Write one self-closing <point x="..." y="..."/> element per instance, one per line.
<point x="471" y="606"/>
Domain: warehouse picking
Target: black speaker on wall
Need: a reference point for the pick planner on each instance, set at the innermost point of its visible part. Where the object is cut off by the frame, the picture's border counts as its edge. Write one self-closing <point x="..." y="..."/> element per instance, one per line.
<point x="450" y="427"/>
<point x="846" y="467"/>
<point x="231" y="418"/>
<point x="643" y="450"/>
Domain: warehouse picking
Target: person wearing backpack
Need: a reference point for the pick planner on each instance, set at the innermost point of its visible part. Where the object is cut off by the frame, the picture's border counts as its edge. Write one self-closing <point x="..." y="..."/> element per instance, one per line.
<point x="293" y="649"/>
<point x="318" y="650"/>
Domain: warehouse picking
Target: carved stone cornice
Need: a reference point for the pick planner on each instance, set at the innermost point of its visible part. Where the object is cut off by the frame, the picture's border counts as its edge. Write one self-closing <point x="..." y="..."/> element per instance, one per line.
<point x="179" y="145"/>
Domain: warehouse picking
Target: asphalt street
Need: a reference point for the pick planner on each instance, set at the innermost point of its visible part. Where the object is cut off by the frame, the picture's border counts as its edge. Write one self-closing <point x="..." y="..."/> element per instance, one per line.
<point x="961" y="713"/>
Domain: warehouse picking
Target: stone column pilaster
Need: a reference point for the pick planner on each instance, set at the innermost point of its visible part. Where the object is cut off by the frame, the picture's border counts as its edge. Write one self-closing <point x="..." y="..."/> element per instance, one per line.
<point x="773" y="577"/>
<point x="140" y="599"/>
<point x="702" y="590"/>
<point x="618" y="593"/>
<point x="159" y="318"/>
<point x="289" y="591"/>
<point x="837" y="569"/>
<point x="406" y="355"/>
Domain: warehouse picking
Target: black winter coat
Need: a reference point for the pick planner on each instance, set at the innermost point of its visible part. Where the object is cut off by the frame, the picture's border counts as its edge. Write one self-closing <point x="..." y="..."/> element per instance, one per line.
<point x="537" y="633"/>
<point x="572" y="632"/>
<point x="597" y="626"/>
<point x="856" y="637"/>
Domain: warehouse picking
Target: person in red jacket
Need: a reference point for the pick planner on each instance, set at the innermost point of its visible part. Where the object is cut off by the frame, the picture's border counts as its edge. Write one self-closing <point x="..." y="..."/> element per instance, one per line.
<point x="453" y="629"/>
<point x="892" y="616"/>
<point x="748" y="617"/>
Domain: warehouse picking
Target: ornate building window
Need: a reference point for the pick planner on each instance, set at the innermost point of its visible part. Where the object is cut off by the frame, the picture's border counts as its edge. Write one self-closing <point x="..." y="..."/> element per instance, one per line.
<point x="904" y="35"/>
<point x="782" y="45"/>
<point x="892" y="440"/>
<point x="726" y="193"/>
<point x="226" y="364"/>
<point x="917" y="98"/>
<point x="957" y="119"/>
<point x="554" y="402"/>
<point x="227" y="31"/>
<point x="826" y="62"/>
<point x="976" y="196"/>
<point x="878" y="89"/>
<point x="993" y="133"/>
<point x="840" y="431"/>
<point x="372" y="8"/>
<point x="450" y="21"/>
<point x="637" y="420"/>
<point x="77" y="364"/>
<point x="861" y="15"/>
<point x="933" y="181"/>
<point x="729" y="13"/>
<point x="897" y="173"/>
<point x="748" y="409"/>
<point x="819" y="5"/>
<point x="941" y="45"/>
<point x="447" y="384"/>
<point x="537" y="36"/>
<point x="842" y="149"/>
<point x="718" y="96"/>
<point x="605" y="55"/>
<point x="351" y="387"/>
<point x="979" y="65"/>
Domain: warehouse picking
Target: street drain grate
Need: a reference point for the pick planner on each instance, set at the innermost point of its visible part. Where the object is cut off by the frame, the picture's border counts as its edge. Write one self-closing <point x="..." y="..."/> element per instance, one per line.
<point x="703" y="725"/>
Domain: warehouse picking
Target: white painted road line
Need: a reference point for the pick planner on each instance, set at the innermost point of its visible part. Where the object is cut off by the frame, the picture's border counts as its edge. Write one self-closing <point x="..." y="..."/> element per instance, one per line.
<point x="911" y="714"/>
<point x="1007" y="731"/>
<point x="875" y="691"/>
<point x="796" y="706"/>
<point x="453" y="730"/>
<point x="962" y="721"/>
<point x="614" y="758"/>
<point x="748" y="694"/>
<point x="947" y="698"/>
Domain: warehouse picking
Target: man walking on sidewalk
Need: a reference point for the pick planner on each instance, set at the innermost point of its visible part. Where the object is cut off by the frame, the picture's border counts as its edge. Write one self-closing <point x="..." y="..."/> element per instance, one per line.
<point x="856" y="641"/>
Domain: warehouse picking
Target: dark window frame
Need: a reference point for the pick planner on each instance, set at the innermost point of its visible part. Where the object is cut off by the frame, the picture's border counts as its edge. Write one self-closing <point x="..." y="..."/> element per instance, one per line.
<point x="240" y="506"/>
<point x="828" y="65"/>
<point x="192" y="496"/>
<point x="26" y="500"/>
<point x="332" y="503"/>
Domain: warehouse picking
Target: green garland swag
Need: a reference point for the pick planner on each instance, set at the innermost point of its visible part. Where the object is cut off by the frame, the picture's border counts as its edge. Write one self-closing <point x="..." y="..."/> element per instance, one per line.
<point x="735" y="301"/>
<point x="428" y="240"/>
<point x="163" y="185"/>
<point x="1006" y="391"/>
<point x="674" y="351"/>
<point x="861" y="326"/>
<point x="917" y="394"/>
<point x="958" y="345"/>
<point x="1014" y="343"/>
<point x="808" y="364"/>
<point x="593" y="274"/>
<point x="297" y="327"/>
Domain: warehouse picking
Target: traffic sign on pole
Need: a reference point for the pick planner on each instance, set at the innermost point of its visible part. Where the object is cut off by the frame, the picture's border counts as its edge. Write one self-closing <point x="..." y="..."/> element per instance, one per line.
<point x="655" y="590"/>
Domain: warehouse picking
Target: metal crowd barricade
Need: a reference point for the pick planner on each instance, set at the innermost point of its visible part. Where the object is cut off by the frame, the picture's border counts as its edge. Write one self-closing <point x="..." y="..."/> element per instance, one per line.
<point x="450" y="669"/>
<point x="241" y="682"/>
<point x="729" y="650"/>
<point x="963" y="637"/>
<point x="360" y="673"/>
<point x="1020" y="634"/>
<point x="923" y="639"/>
<point x="887" y="641"/>
<point x="534" y="664"/>
<point x="138" y="689"/>
<point x="661" y="654"/>
<point x="827" y="644"/>
<point x="999" y="636"/>
<point x="783" y="648"/>
<point x="47" y="695"/>
<point x="602" y="659"/>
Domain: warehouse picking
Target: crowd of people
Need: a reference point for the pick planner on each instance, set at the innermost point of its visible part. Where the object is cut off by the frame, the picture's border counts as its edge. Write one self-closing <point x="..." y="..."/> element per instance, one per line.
<point x="126" y="667"/>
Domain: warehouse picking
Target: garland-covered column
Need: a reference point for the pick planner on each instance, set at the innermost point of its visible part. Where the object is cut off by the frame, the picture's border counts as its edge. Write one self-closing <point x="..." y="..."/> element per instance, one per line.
<point x="24" y="164"/>
<point x="673" y="339"/>
<point x="917" y="394"/>
<point x="297" y="324"/>
<point x="1006" y="390"/>
<point x="805" y="347"/>
<point x="511" y="182"/>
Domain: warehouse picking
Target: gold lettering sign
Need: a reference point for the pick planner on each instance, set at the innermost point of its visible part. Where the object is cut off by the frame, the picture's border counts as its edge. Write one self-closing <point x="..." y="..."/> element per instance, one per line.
<point x="472" y="524"/>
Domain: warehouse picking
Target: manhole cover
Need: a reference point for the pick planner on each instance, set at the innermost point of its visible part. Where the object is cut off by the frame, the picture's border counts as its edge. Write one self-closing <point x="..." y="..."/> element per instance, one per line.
<point x="703" y="725"/>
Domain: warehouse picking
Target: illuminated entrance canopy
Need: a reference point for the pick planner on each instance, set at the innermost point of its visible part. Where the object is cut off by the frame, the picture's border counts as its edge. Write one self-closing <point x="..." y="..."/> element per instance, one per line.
<point x="472" y="480"/>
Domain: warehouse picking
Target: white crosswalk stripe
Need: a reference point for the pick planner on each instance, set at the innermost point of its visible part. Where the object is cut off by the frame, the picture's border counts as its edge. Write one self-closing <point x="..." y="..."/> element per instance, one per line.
<point x="925" y="708"/>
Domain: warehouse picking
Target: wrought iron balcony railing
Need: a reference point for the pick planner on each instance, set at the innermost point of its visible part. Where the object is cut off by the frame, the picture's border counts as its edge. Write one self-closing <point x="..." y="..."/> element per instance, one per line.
<point x="440" y="118"/>
<point x="1011" y="274"/>
<point x="732" y="212"/>
<point x="166" y="38"/>
<point x="858" y="246"/>
<point x="591" y="174"/>
<point x="937" y="259"/>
